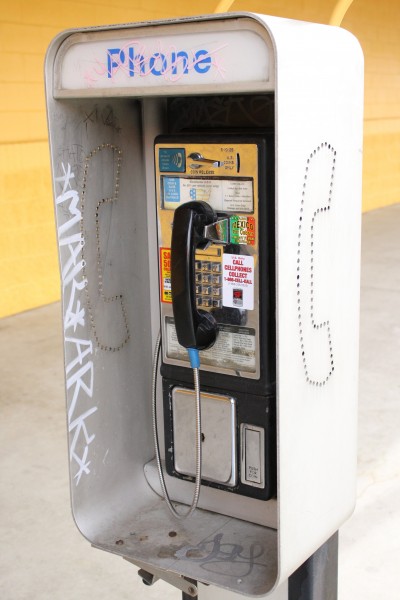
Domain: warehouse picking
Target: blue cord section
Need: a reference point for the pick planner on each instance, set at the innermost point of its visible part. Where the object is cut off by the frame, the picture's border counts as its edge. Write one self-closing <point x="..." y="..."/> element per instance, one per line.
<point x="194" y="358"/>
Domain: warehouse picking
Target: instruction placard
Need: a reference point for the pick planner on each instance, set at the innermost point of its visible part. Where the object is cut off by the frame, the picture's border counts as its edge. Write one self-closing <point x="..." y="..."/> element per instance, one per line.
<point x="238" y="281"/>
<point x="232" y="195"/>
<point x="234" y="349"/>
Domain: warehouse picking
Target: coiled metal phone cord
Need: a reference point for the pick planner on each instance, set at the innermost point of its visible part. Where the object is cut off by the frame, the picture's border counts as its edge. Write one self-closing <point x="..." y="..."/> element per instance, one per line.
<point x="156" y="441"/>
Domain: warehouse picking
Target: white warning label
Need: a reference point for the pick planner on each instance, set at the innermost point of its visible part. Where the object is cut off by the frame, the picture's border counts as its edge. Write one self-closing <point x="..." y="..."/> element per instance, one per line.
<point x="238" y="281"/>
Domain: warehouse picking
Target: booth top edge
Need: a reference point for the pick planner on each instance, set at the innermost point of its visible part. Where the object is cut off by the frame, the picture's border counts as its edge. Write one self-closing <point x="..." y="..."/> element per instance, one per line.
<point x="66" y="47"/>
<point x="267" y="23"/>
<point x="60" y="38"/>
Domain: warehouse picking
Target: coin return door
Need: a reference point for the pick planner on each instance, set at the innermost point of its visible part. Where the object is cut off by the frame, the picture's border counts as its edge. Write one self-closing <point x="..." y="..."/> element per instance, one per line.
<point x="218" y="436"/>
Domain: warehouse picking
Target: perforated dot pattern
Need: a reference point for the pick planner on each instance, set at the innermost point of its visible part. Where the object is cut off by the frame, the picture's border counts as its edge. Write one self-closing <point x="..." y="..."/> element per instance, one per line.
<point x="309" y="311"/>
<point x="117" y="152"/>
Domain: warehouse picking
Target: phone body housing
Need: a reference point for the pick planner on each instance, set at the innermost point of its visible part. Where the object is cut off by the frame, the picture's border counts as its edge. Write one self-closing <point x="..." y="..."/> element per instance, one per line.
<point x="241" y="193"/>
<point x="110" y="92"/>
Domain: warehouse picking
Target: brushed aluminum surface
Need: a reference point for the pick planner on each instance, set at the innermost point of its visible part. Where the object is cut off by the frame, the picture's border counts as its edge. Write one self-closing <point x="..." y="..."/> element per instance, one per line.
<point x="218" y="427"/>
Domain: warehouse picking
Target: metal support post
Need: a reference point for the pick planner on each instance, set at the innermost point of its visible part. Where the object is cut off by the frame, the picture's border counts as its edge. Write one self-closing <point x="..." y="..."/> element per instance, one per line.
<point x="317" y="578"/>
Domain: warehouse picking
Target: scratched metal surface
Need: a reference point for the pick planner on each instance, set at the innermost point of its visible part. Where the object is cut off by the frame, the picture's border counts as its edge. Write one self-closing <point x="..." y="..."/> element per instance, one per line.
<point x="101" y="222"/>
<point x="101" y="218"/>
<point x="207" y="547"/>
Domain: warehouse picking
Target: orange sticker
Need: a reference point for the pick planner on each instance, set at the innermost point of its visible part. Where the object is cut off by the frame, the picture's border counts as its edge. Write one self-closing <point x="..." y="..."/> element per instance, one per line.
<point x="165" y="275"/>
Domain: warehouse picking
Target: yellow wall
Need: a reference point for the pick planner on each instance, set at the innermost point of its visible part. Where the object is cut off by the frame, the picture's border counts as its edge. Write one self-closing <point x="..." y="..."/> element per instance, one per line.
<point x="28" y="259"/>
<point x="377" y="26"/>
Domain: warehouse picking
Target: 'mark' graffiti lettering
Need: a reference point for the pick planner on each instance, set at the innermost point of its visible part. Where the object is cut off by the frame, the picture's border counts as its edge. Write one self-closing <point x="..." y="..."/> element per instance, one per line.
<point x="79" y="369"/>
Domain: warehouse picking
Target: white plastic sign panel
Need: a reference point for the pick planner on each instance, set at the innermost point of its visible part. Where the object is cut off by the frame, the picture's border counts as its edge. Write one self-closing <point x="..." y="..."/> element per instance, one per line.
<point x="238" y="281"/>
<point x="136" y="59"/>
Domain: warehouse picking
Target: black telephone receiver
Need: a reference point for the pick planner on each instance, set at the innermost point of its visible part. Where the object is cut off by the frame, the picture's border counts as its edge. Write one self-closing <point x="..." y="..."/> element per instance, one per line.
<point x="194" y="328"/>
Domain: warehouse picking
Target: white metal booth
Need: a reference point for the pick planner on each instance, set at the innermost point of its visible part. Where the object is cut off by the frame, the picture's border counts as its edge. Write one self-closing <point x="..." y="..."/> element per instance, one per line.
<point x="111" y="92"/>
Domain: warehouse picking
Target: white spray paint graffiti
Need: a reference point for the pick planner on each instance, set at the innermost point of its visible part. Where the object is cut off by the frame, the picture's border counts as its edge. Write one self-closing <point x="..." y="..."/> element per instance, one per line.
<point x="79" y="369"/>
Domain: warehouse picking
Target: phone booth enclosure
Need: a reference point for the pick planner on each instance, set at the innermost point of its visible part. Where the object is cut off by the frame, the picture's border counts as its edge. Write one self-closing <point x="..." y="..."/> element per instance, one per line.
<point x="111" y="93"/>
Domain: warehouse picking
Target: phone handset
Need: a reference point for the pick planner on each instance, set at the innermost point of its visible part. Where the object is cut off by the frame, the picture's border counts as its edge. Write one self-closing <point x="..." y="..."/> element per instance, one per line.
<point x="195" y="329"/>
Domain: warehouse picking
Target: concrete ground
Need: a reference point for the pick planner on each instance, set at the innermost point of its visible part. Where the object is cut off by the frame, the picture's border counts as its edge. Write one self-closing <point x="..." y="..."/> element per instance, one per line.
<point x="42" y="554"/>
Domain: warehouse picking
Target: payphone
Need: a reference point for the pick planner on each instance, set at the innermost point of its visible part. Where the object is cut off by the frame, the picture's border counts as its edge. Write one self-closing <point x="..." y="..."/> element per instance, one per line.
<point x="207" y="184"/>
<point x="216" y="265"/>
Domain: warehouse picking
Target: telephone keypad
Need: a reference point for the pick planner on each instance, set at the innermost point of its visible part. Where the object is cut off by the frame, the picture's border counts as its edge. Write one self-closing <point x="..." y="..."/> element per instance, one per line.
<point x="208" y="284"/>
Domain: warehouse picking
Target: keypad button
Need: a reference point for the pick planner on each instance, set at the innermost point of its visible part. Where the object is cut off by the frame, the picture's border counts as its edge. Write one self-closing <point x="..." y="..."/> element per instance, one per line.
<point x="198" y="277"/>
<point x="198" y="265"/>
<point x="207" y="289"/>
<point x="216" y="292"/>
<point x="216" y="279"/>
<point x="216" y="267"/>
<point x="216" y="303"/>
<point x="199" y="301"/>
<point x="199" y="289"/>
<point x="205" y="265"/>
<point x="206" y="278"/>
<point x="207" y="302"/>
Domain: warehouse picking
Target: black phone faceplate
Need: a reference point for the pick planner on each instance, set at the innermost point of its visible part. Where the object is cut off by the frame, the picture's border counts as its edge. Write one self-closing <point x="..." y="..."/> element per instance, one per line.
<point x="255" y="399"/>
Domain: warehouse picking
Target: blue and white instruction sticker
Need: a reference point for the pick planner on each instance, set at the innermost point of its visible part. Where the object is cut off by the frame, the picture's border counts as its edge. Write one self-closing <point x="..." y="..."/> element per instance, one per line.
<point x="171" y="189"/>
<point x="172" y="160"/>
<point x="238" y="281"/>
